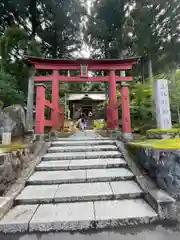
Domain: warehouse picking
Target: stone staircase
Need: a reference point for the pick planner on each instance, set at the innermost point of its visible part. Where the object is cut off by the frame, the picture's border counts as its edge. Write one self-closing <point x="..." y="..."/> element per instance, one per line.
<point x="82" y="182"/>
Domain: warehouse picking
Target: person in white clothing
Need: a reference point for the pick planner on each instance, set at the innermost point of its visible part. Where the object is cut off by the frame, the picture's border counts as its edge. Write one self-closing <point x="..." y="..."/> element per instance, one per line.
<point x="82" y="124"/>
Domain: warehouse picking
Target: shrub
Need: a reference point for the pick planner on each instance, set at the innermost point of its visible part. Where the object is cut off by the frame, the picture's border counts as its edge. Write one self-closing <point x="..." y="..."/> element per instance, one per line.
<point x="99" y="124"/>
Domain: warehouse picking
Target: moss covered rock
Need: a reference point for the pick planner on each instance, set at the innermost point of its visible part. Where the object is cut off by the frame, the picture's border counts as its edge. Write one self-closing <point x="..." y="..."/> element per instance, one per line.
<point x="163" y="133"/>
<point x="12" y="119"/>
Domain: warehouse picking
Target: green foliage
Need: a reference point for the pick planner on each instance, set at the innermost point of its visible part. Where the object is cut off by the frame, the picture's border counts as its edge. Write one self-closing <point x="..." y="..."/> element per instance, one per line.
<point x="13" y="45"/>
<point x="100" y="111"/>
<point x="9" y="93"/>
<point x="155" y="33"/>
<point x="107" y="30"/>
<point x="61" y="33"/>
<point x="119" y="28"/>
<point x="141" y="104"/>
<point x="99" y="125"/>
<point x="174" y="88"/>
<point x="46" y="28"/>
<point x="97" y="87"/>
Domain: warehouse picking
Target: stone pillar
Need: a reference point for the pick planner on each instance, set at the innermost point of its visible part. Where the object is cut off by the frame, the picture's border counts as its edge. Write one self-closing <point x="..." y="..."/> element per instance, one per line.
<point x="30" y="102"/>
<point x="113" y="100"/>
<point x="126" y="119"/>
<point x="40" y="107"/>
<point x="55" y="100"/>
<point x="6" y="138"/>
<point x="163" y="112"/>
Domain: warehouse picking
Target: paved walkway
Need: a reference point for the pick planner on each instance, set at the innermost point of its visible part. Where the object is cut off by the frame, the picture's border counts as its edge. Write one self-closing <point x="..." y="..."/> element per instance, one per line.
<point x="86" y="134"/>
<point x="82" y="182"/>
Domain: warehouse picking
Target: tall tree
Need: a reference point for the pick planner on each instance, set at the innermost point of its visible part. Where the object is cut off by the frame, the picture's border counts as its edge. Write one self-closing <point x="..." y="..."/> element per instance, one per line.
<point x="52" y="28"/>
<point x="13" y="45"/>
<point x="61" y="30"/>
<point x="54" y="23"/>
<point x="106" y="31"/>
<point x="156" y="33"/>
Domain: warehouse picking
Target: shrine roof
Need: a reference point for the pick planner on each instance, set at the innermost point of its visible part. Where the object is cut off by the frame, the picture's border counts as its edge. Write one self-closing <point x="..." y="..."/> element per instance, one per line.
<point x="93" y="96"/>
<point x="32" y="60"/>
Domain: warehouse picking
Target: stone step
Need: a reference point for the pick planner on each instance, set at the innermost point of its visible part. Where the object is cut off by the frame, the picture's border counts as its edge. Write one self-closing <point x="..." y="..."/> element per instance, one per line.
<point x="82" y="139"/>
<point x="79" y="192"/>
<point x="80" y="176"/>
<point x="82" y="148"/>
<point x="77" y="216"/>
<point x="81" y="155"/>
<point x="82" y="142"/>
<point x="81" y="164"/>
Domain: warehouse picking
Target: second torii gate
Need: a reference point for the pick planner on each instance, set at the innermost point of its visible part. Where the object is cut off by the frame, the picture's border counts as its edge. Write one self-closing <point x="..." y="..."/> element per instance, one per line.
<point x="83" y="66"/>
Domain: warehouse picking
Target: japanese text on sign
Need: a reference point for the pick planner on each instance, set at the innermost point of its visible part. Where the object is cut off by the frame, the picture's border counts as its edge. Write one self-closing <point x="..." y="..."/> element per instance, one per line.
<point x="163" y="113"/>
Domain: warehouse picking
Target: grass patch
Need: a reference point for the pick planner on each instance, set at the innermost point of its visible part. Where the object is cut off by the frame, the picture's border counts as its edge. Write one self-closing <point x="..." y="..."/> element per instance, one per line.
<point x="158" y="144"/>
<point x="163" y="131"/>
<point x="11" y="147"/>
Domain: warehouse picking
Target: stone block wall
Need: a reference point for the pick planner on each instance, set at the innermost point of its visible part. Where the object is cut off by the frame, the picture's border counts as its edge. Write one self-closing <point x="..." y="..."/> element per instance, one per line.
<point x="11" y="165"/>
<point x="162" y="166"/>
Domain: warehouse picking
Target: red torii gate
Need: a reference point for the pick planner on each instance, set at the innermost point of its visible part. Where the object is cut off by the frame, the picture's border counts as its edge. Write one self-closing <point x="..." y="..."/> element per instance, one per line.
<point x="84" y="66"/>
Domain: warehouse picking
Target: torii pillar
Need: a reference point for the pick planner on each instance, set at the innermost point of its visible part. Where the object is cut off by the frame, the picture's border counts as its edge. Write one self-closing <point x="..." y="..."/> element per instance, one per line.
<point x="113" y="100"/>
<point x="126" y="118"/>
<point x="40" y="106"/>
<point x="55" y="100"/>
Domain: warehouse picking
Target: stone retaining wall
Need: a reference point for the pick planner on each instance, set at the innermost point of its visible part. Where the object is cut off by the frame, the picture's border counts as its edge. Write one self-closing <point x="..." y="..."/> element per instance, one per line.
<point x="11" y="165"/>
<point x="162" y="166"/>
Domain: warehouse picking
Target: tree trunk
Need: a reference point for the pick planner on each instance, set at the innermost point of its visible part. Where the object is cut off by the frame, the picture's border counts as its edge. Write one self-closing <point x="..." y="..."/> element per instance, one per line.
<point x="33" y="12"/>
<point x="142" y="69"/>
<point x="54" y="47"/>
<point x="173" y="77"/>
<point x="150" y="71"/>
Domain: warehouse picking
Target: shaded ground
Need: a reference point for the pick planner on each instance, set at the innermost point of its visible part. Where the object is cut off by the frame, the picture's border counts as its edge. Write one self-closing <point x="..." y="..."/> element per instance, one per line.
<point x="140" y="233"/>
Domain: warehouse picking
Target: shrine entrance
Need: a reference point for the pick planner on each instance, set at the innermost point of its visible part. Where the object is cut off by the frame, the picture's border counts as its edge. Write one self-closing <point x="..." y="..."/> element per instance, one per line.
<point x="84" y="67"/>
<point x="86" y="109"/>
<point x="86" y="101"/>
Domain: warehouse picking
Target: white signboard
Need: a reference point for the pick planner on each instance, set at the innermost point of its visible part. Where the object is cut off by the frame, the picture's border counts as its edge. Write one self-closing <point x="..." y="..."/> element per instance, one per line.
<point x="163" y="113"/>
